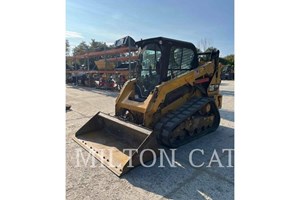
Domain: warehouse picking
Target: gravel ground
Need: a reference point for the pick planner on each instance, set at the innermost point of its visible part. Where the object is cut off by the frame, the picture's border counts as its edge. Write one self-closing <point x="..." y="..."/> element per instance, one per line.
<point x="93" y="181"/>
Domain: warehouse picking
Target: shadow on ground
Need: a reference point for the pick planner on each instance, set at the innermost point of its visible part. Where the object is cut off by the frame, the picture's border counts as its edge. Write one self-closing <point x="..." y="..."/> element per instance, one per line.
<point x="226" y="114"/>
<point x="166" y="181"/>
<point x="98" y="91"/>
<point x="227" y="93"/>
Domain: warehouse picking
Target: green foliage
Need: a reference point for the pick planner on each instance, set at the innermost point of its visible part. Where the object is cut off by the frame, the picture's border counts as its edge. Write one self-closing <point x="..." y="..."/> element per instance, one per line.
<point x="230" y="59"/>
<point x="91" y="47"/>
<point x="80" y="49"/>
<point x="223" y="61"/>
<point x="227" y="60"/>
<point x="67" y="47"/>
<point x="97" y="46"/>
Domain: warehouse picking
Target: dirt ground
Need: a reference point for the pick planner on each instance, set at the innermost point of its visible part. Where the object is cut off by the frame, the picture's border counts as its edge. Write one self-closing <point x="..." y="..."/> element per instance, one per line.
<point x="93" y="181"/>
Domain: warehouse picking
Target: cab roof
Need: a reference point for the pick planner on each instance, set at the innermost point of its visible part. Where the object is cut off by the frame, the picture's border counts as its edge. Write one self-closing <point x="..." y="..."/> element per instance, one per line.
<point x="164" y="40"/>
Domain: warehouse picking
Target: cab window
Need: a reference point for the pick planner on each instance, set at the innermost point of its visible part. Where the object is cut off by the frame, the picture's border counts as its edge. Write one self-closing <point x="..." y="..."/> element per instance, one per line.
<point x="180" y="61"/>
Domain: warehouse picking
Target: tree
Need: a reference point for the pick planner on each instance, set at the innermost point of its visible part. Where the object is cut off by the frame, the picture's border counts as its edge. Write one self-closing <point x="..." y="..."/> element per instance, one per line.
<point x="80" y="49"/>
<point x="67" y="48"/>
<point x="223" y="61"/>
<point x="97" y="46"/>
<point x="227" y="60"/>
<point x="230" y="59"/>
<point x="93" y="46"/>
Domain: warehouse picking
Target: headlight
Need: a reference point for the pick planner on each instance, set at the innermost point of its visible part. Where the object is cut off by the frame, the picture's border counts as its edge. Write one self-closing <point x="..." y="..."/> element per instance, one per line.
<point x="212" y="88"/>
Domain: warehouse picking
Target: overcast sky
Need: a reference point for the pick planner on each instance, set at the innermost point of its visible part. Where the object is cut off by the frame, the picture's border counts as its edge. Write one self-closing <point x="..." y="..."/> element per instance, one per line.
<point x="188" y="20"/>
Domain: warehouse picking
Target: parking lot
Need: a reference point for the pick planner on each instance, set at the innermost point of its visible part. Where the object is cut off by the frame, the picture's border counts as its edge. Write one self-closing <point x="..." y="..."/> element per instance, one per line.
<point x="92" y="181"/>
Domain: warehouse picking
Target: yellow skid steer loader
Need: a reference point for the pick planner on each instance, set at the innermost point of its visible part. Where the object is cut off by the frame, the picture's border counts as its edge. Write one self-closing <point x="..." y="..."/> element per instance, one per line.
<point x="173" y="100"/>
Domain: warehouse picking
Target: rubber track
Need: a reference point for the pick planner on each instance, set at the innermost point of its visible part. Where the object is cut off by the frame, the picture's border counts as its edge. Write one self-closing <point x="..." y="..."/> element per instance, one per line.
<point x="167" y="124"/>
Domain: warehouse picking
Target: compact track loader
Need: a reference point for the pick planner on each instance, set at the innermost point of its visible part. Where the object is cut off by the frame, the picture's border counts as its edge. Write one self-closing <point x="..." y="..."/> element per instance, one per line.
<point x="174" y="99"/>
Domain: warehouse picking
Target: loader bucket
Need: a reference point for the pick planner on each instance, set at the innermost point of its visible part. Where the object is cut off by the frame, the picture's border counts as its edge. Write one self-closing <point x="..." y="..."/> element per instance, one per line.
<point x="109" y="139"/>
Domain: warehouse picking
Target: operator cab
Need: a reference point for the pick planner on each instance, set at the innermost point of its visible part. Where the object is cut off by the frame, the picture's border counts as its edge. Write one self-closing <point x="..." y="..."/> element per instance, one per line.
<point x="162" y="59"/>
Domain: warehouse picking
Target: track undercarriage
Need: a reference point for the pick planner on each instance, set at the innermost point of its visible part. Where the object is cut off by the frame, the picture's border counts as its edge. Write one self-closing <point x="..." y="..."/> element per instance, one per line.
<point x="196" y="118"/>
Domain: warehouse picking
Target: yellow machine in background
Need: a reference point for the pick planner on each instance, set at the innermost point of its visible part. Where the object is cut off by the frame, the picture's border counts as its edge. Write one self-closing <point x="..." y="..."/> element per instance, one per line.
<point x="173" y="100"/>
